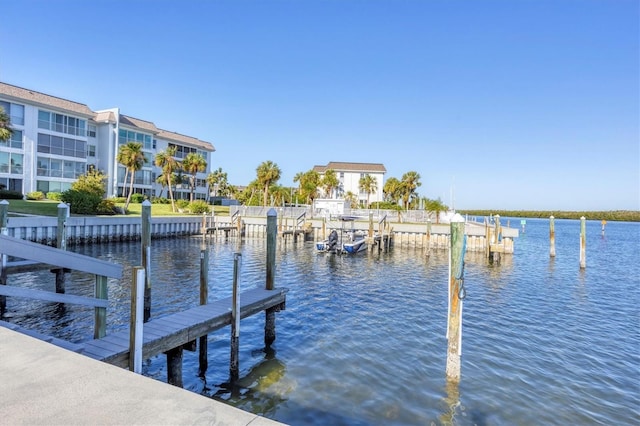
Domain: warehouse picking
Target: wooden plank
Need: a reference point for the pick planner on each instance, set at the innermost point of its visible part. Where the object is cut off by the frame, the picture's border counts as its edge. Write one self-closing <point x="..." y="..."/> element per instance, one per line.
<point x="44" y="254"/>
<point x="29" y="293"/>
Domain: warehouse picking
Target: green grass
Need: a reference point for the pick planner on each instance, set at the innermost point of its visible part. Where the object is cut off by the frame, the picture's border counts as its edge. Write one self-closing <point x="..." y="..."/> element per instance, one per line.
<point x="50" y="208"/>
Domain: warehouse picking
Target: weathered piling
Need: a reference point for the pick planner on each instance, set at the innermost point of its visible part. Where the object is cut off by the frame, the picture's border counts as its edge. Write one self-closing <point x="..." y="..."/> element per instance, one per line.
<point x="136" y="320"/>
<point x="583" y="242"/>
<point x="552" y="237"/>
<point x="456" y="295"/>
<point x="61" y="243"/>
<point x="270" y="315"/>
<point x="427" y="236"/>
<point x="146" y="256"/>
<point x="203" y="361"/>
<point x="603" y="223"/>
<point x="234" y="363"/>
<point x="4" y="219"/>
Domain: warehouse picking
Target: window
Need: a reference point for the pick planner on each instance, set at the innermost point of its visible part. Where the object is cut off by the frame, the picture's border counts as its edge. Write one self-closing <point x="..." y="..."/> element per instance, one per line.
<point x="53" y="167"/>
<point x="126" y="136"/>
<point x="15" y="141"/>
<point x="47" y="186"/>
<point x="91" y="150"/>
<point x="14" y="111"/>
<point x="11" y="184"/>
<point x="92" y="131"/>
<point x="11" y="162"/>
<point x="50" y="144"/>
<point x="62" y="123"/>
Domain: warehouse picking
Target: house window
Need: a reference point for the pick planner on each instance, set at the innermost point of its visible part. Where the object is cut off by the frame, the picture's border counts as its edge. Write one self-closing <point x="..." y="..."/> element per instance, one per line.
<point x="11" y="162"/>
<point x="126" y="136"/>
<point x="91" y="150"/>
<point x="92" y="130"/>
<point x="50" y="144"/>
<point x="15" y="141"/>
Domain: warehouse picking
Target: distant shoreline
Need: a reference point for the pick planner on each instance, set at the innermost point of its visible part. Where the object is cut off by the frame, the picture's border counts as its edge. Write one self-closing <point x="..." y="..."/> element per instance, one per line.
<point x="611" y="215"/>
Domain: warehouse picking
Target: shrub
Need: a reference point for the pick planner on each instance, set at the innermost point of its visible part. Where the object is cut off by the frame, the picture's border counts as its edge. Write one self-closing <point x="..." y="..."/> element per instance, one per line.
<point x="91" y="182"/>
<point x="35" y="195"/>
<point x="119" y="200"/>
<point x="81" y="202"/>
<point x="10" y="195"/>
<point x="160" y="200"/>
<point x="182" y="204"/>
<point x="137" y="198"/>
<point x="198" y="207"/>
<point x="55" y="196"/>
<point x="106" y="207"/>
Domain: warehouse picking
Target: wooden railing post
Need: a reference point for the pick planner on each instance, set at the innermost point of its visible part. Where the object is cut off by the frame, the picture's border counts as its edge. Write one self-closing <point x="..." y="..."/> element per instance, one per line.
<point x="270" y="316"/>
<point x="146" y="257"/>
<point x="204" y="298"/>
<point x="100" y="314"/>
<point x="4" y="230"/>
<point x="456" y="295"/>
<point x="136" y="320"/>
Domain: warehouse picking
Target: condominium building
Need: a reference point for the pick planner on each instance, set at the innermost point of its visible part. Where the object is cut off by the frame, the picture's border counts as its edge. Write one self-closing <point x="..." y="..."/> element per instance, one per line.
<point x="349" y="175"/>
<point x="56" y="140"/>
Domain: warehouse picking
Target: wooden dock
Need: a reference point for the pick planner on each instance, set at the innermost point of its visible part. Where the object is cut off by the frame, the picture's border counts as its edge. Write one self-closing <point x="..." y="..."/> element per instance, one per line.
<point x="182" y="328"/>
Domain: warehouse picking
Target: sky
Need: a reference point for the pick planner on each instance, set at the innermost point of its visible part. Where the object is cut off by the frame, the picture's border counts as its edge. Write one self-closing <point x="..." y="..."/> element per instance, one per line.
<point x="497" y="104"/>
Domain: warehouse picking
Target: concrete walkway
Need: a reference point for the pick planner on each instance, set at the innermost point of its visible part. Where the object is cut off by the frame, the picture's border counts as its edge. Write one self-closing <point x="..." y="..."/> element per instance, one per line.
<point x="43" y="384"/>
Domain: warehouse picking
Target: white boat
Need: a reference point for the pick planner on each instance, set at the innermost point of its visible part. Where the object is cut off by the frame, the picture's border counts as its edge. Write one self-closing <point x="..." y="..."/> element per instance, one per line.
<point x="355" y="244"/>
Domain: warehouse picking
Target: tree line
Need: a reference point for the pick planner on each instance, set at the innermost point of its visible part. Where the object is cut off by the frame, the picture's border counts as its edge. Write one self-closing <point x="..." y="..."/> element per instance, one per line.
<point x="614" y="215"/>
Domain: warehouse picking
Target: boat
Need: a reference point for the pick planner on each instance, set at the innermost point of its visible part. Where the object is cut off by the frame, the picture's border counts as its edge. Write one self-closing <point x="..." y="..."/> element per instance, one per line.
<point x="353" y="242"/>
<point x="330" y="245"/>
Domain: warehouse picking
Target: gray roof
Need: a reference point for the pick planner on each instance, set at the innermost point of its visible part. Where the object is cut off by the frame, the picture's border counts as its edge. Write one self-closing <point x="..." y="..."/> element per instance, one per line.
<point x="16" y="93"/>
<point x="137" y="123"/>
<point x="185" y="140"/>
<point x="339" y="166"/>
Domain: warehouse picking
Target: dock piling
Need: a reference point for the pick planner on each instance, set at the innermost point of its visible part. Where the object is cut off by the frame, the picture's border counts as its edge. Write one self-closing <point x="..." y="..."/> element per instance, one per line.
<point x="552" y="237"/>
<point x="61" y="243"/>
<point x="583" y="242"/>
<point x="146" y="256"/>
<point x="456" y="295"/>
<point x="234" y="363"/>
<point x="270" y="314"/>
<point x="203" y="361"/>
<point x="136" y="320"/>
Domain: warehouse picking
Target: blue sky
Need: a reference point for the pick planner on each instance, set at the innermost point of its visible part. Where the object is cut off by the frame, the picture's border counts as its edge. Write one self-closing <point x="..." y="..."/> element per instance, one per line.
<point x="506" y="104"/>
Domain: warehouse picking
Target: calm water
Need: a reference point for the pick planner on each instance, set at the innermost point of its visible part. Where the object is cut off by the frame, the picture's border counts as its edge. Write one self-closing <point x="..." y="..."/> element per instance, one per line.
<point x="362" y="341"/>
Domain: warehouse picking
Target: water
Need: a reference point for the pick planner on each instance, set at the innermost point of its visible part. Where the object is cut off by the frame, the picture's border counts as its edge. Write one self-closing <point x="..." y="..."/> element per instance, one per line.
<point x="362" y="341"/>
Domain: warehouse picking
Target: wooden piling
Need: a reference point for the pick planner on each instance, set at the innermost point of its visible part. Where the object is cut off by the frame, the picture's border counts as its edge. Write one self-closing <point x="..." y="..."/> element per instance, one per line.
<point x="428" y="238"/>
<point x="270" y="315"/>
<point x="136" y="320"/>
<point x="234" y="363"/>
<point x="61" y="243"/>
<point x="100" y="314"/>
<point x="583" y="242"/>
<point x="456" y="294"/>
<point x="174" y="366"/>
<point x="552" y="237"/>
<point x="146" y="257"/>
<point x="4" y="230"/>
<point x="203" y="360"/>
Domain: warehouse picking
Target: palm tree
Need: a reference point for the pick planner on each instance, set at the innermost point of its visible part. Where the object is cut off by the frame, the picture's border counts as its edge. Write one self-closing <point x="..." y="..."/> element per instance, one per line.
<point x="193" y="164"/>
<point x="268" y="173"/>
<point x="5" y="126"/>
<point x="167" y="162"/>
<point x="392" y="190"/>
<point x="217" y="179"/>
<point x="132" y="157"/>
<point x="308" y="183"/>
<point x="352" y="199"/>
<point x="330" y="182"/>
<point x="410" y="182"/>
<point x="368" y="184"/>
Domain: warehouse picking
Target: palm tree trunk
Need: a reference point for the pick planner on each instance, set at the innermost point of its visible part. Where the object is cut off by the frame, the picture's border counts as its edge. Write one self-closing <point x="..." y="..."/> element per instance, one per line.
<point x="173" y="203"/>
<point x="126" y="205"/>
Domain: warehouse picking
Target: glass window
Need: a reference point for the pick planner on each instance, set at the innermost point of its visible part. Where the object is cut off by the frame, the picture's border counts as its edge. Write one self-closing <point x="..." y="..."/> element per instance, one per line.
<point x="44" y="118"/>
<point x="14" y="111"/>
<point x="16" y="163"/>
<point x="56" y="168"/>
<point x="4" y="162"/>
<point x="57" y="145"/>
<point x="16" y="139"/>
<point x="91" y="150"/>
<point x="43" y="166"/>
<point x="92" y="131"/>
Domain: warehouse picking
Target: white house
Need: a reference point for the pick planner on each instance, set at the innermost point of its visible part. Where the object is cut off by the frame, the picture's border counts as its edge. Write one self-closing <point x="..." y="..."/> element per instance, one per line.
<point x="56" y="140"/>
<point x="349" y="175"/>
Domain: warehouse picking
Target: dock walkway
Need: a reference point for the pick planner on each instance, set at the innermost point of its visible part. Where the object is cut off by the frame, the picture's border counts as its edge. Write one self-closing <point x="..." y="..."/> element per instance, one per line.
<point x="45" y="385"/>
<point x="181" y="328"/>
